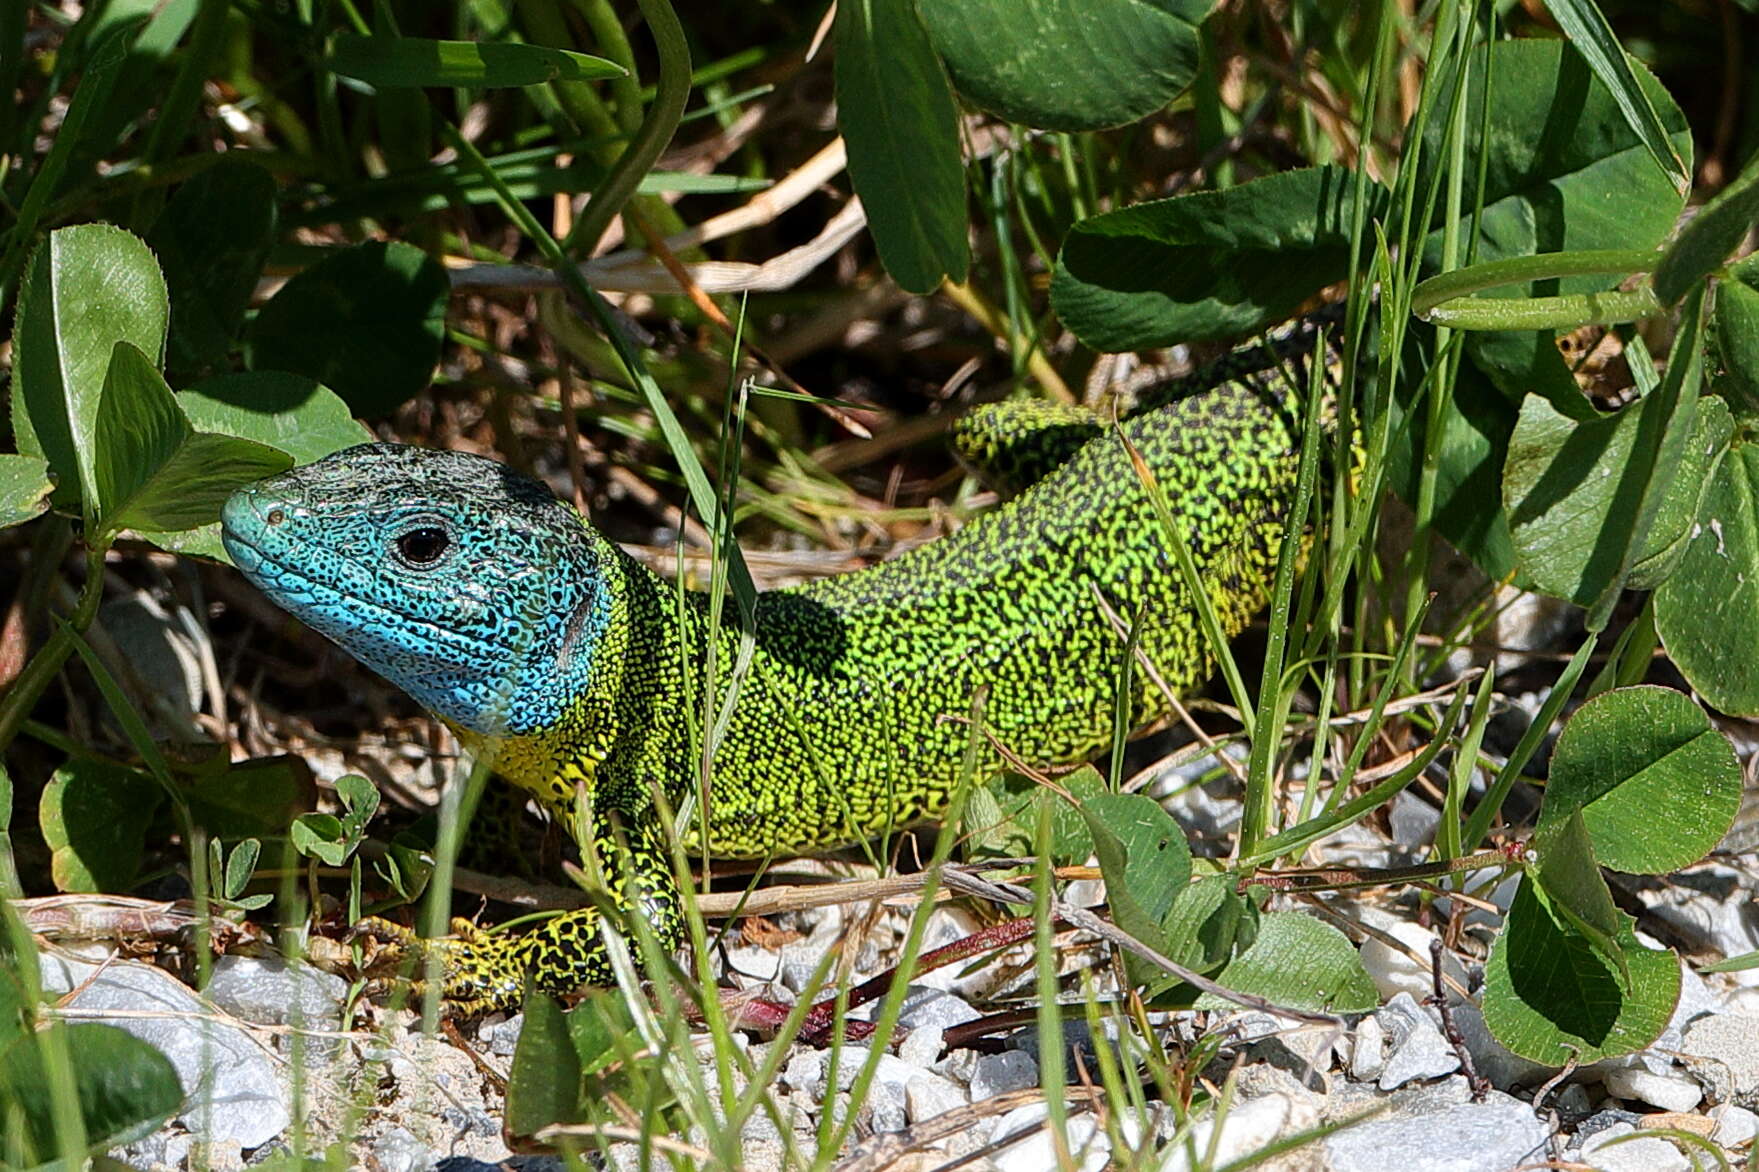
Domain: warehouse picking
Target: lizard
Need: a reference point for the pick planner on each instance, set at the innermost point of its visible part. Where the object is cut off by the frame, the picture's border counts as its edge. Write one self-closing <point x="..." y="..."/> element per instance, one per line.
<point x="575" y="670"/>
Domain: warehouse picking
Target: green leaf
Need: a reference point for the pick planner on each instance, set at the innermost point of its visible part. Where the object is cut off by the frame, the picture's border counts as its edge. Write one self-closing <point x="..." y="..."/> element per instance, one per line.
<point x="1011" y="823"/>
<point x="1734" y="335"/>
<point x="1550" y="996"/>
<point x="86" y="289"/>
<point x="94" y="818"/>
<point x="1582" y="498"/>
<point x="1554" y="146"/>
<point x="153" y="469"/>
<point x="902" y="131"/>
<point x="417" y="61"/>
<point x="241" y="866"/>
<point x="360" y="798"/>
<point x="1557" y="143"/>
<point x="1068" y="64"/>
<point x="212" y="239"/>
<point x="1146" y="863"/>
<point x="1709" y="237"/>
<point x="544" y="1084"/>
<point x="320" y="836"/>
<point x="1587" y="28"/>
<point x="1708" y="610"/>
<point x="256" y="798"/>
<point x="24" y="488"/>
<point x="1656" y="784"/>
<point x="366" y="322"/>
<point x="1570" y="877"/>
<point x="1213" y="265"/>
<point x="126" y="1089"/>
<point x="1204" y="922"/>
<point x="1665" y="544"/>
<point x="301" y="417"/>
<point x="1300" y="963"/>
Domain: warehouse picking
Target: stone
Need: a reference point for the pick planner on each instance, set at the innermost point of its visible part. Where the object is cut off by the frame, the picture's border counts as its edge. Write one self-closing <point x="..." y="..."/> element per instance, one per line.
<point x="1418" y="1049"/>
<point x="1671" y="1090"/>
<point x="927" y="1006"/>
<point x="1492" y="1136"/>
<point x="886" y="1104"/>
<point x="1368" y="1057"/>
<point x="805" y="1070"/>
<point x="1723" y="1051"/>
<point x="1412" y="821"/>
<point x="1408" y="969"/>
<point x="233" y="1091"/>
<point x="398" y="1151"/>
<point x="1649" y="1154"/>
<point x="892" y="1071"/>
<point x="1246" y="1128"/>
<point x="997" y="1074"/>
<point x="1490" y="1058"/>
<point x="929" y="1095"/>
<point x="503" y="1036"/>
<point x="921" y="1046"/>
<point x="1089" y="1147"/>
<point x="1734" y="1125"/>
<point x="274" y="991"/>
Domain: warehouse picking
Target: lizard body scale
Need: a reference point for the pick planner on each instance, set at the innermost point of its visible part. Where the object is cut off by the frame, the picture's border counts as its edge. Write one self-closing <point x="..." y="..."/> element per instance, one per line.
<point x="574" y="668"/>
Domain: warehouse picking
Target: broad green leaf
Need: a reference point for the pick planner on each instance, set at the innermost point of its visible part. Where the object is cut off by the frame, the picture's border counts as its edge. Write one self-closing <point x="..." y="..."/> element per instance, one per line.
<point x="360" y="799"/>
<point x="543" y="1086"/>
<point x="1570" y="877"/>
<point x="1213" y="265"/>
<point x="1709" y="237"/>
<point x="290" y="412"/>
<point x="94" y="817"/>
<point x="1550" y="996"/>
<point x="1299" y="962"/>
<point x="154" y="470"/>
<point x="1574" y="494"/>
<point x="1657" y="786"/>
<point x="1010" y="827"/>
<point x="1068" y="64"/>
<point x="240" y="866"/>
<point x="902" y="131"/>
<point x="417" y="61"/>
<point x="24" y="488"/>
<point x="87" y="288"/>
<point x="212" y="239"/>
<point x="253" y="798"/>
<point x="126" y="1089"/>
<point x="1708" y="610"/>
<point x="366" y="322"/>
<point x="1205" y="921"/>
<point x="1146" y="863"/>
<point x="1734" y="337"/>
<point x="1591" y="35"/>
<point x="1665" y="544"/>
<point x="594" y="1025"/>
<point x="320" y="836"/>
<point x="1558" y="145"/>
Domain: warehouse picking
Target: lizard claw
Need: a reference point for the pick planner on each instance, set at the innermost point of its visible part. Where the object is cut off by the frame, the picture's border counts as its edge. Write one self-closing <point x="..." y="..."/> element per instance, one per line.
<point x="475" y="971"/>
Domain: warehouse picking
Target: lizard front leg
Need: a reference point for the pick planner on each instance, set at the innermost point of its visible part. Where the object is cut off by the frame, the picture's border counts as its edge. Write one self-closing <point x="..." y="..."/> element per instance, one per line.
<point x="480" y="970"/>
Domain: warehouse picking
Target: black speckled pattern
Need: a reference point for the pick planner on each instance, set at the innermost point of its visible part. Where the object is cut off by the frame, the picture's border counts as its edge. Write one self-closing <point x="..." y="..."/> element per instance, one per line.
<point x="577" y="670"/>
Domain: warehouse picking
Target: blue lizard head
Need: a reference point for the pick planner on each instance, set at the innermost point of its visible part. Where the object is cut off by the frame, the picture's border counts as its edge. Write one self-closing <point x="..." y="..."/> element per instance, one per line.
<point x="465" y="584"/>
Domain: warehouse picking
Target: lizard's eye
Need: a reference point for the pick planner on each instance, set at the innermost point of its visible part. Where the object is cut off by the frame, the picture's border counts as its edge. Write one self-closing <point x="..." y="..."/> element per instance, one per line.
<point x="422" y="547"/>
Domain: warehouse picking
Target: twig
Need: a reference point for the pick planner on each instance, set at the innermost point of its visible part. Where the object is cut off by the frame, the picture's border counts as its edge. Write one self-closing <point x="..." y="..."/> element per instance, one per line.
<point x="1480" y="1085"/>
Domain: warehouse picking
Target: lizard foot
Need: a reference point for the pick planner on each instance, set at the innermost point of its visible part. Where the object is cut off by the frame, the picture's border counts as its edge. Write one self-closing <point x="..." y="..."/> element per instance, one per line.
<point x="475" y="971"/>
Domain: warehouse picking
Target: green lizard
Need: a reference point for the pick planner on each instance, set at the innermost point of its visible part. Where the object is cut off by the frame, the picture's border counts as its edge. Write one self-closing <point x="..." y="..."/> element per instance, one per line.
<point x="572" y="667"/>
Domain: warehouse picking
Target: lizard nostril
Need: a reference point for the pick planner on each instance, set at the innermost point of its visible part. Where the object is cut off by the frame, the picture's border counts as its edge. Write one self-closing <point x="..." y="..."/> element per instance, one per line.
<point x="275" y="517"/>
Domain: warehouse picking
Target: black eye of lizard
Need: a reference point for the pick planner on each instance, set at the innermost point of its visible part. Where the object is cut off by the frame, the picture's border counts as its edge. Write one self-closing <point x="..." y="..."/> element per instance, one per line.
<point x="423" y="547"/>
